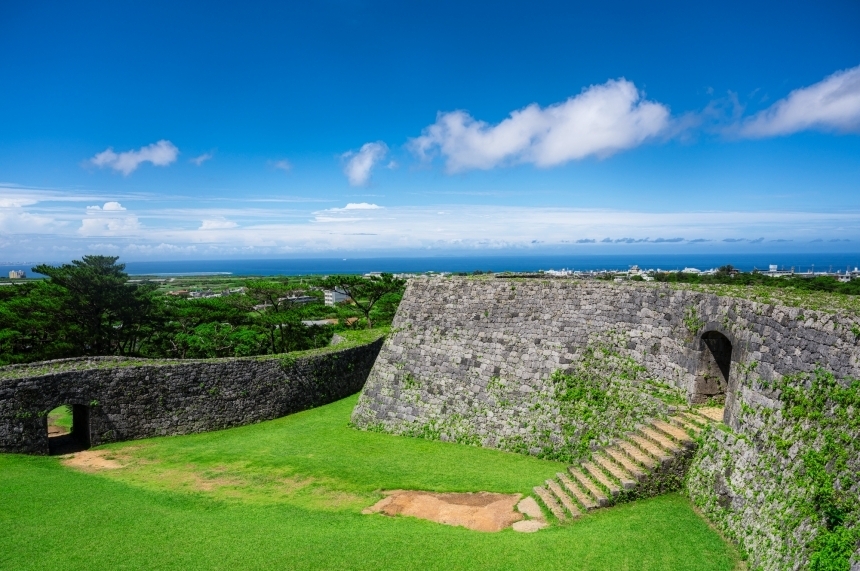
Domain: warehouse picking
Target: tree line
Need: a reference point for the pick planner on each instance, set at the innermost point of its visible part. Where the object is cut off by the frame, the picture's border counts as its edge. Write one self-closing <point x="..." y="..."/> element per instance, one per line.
<point x="89" y="307"/>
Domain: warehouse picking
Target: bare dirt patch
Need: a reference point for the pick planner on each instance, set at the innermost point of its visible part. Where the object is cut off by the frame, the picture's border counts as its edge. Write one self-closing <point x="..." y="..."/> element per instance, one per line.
<point x="481" y="511"/>
<point x="92" y="461"/>
<point x="54" y="430"/>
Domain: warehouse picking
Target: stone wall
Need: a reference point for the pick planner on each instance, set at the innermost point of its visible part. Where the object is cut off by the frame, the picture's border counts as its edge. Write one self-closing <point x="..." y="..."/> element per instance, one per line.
<point x="785" y="484"/>
<point x="489" y="362"/>
<point x="127" y="399"/>
<point x="477" y="357"/>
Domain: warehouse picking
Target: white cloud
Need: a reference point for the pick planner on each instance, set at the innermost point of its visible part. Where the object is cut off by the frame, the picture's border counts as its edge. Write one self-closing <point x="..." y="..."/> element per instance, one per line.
<point x="16" y="201"/>
<point x="109" y="220"/>
<point x="109" y="206"/>
<point x="361" y="206"/>
<point x="217" y="224"/>
<point x="159" y="154"/>
<point x="600" y="121"/>
<point x="832" y="104"/>
<point x="359" y="164"/>
<point x="109" y="226"/>
<point x="201" y="159"/>
<point x="283" y="165"/>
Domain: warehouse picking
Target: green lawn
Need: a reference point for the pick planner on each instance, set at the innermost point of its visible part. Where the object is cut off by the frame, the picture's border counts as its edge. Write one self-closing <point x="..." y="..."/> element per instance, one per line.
<point x="287" y="494"/>
<point x="61" y="416"/>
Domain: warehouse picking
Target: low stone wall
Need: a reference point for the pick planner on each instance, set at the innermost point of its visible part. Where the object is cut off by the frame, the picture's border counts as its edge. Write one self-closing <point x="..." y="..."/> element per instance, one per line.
<point x="127" y="399"/>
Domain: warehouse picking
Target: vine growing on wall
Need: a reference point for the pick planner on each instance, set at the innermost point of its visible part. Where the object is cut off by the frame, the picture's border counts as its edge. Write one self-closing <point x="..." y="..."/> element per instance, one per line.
<point x="603" y="396"/>
<point x="830" y="413"/>
<point x="787" y="485"/>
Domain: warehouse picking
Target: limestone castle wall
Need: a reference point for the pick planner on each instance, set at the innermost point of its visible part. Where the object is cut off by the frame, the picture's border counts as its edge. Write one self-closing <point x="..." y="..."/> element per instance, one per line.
<point x="473" y="361"/>
<point x="127" y="399"/>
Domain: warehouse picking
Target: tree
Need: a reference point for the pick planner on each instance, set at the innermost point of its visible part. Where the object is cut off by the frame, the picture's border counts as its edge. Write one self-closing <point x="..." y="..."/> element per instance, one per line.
<point x="108" y="315"/>
<point x="365" y="292"/>
<point x="274" y="303"/>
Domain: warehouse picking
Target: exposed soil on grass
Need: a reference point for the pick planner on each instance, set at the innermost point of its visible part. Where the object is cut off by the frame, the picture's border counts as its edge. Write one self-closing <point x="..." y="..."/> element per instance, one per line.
<point x="92" y="460"/>
<point x="54" y="430"/>
<point x="481" y="511"/>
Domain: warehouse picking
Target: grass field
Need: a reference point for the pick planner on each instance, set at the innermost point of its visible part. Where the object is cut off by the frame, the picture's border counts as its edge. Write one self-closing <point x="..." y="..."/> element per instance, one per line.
<point x="287" y="494"/>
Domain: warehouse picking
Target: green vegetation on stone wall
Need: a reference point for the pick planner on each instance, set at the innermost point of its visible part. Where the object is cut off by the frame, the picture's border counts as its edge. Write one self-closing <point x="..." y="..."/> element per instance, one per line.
<point x="786" y="487"/>
<point x="603" y="396"/>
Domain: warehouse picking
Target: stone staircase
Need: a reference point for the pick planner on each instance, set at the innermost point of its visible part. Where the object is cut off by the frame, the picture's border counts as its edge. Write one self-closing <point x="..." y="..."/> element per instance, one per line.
<point x="649" y="461"/>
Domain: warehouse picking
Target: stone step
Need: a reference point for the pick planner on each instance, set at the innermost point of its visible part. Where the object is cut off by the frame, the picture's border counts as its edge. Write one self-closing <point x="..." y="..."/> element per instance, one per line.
<point x="651" y="449"/>
<point x="712" y="413"/>
<point x="563" y="498"/>
<point x="628" y="481"/>
<point x="632" y="451"/>
<point x="599" y="476"/>
<point x="634" y="469"/>
<point x="694" y="419"/>
<point x="585" y="483"/>
<point x="655" y="436"/>
<point x="685" y="424"/>
<point x="550" y="502"/>
<point x="585" y="500"/>
<point x="677" y="434"/>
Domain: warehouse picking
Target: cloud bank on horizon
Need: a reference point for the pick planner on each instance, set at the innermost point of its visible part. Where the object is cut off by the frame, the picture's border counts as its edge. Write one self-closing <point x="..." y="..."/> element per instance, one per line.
<point x="49" y="225"/>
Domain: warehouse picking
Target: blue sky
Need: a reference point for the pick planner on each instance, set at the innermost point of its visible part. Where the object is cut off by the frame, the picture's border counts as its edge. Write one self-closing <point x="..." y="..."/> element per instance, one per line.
<point x="165" y="130"/>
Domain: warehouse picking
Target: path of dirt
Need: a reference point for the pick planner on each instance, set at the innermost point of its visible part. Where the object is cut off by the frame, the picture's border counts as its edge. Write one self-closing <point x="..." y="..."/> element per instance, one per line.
<point x="91" y="460"/>
<point x="481" y="511"/>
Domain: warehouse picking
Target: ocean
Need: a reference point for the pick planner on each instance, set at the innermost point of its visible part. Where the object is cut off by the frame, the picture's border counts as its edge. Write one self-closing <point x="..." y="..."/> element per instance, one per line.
<point x="305" y="266"/>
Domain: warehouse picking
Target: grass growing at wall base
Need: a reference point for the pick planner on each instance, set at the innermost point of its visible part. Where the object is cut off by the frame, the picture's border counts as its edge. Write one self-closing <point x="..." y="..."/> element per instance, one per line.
<point x="287" y="494"/>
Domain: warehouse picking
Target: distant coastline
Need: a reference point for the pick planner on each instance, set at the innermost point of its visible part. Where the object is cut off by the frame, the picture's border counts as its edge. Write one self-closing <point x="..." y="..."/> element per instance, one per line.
<point x="801" y="262"/>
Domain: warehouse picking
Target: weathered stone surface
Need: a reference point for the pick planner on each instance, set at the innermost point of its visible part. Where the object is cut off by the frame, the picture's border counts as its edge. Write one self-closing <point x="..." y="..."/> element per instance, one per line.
<point x="531" y="526"/>
<point x="129" y="399"/>
<point x="530" y="507"/>
<point x="471" y="360"/>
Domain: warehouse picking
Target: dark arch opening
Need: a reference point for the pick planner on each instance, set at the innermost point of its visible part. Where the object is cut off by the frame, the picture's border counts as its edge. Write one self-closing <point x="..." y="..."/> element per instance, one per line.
<point x="715" y="364"/>
<point x="68" y="429"/>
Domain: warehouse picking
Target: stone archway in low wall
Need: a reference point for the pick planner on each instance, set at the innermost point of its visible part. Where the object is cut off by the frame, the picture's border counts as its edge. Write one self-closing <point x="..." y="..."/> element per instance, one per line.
<point x="125" y="399"/>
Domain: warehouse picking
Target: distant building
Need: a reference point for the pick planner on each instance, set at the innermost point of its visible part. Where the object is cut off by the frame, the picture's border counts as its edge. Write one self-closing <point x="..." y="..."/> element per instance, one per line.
<point x="17" y="274"/>
<point x="335" y="296"/>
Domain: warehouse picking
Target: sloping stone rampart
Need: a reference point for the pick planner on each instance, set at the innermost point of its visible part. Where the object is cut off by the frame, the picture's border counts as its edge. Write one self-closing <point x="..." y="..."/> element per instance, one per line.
<point x="473" y="361"/>
<point x="460" y="347"/>
<point x="128" y="399"/>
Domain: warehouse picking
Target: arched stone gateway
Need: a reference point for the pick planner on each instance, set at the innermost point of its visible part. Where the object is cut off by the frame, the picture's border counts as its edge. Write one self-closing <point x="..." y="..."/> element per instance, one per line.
<point x="77" y="438"/>
<point x="114" y="399"/>
<point x="714" y="368"/>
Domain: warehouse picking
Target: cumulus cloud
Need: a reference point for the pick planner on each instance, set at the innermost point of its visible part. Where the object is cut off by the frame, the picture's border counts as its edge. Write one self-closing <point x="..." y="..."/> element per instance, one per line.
<point x="111" y="219"/>
<point x="832" y="104"/>
<point x="359" y="164"/>
<point x="109" y="226"/>
<point x="159" y="154"/>
<point x="109" y="206"/>
<point x="600" y="121"/>
<point x="201" y="159"/>
<point x="361" y="206"/>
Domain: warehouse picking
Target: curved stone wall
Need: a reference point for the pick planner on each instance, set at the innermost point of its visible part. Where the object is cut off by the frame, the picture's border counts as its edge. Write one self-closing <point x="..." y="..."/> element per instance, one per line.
<point x="127" y="399"/>
<point x="477" y="355"/>
<point x="473" y="361"/>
